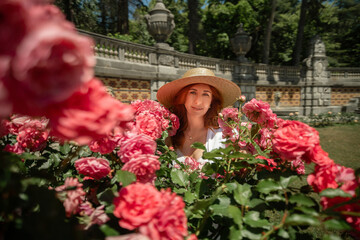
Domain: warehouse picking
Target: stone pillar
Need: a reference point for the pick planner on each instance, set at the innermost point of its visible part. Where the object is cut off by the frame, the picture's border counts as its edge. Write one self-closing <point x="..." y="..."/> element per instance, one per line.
<point x="244" y="77"/>
<point x="316" y="93"/>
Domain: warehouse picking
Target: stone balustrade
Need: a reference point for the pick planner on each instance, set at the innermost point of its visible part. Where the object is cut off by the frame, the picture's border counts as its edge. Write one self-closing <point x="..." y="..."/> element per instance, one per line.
<point x="307" y="89"/>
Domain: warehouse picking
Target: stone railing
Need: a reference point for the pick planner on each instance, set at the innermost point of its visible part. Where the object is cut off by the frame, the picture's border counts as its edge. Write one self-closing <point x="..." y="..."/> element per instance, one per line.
<point x="341" y="76"/>
<point x="111" y="48"/>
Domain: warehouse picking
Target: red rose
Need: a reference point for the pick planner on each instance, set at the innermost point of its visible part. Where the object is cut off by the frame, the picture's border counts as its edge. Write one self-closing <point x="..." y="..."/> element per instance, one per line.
<point x="318" y="156"/>
<point x="323" y="177"/>
<point x="144" y="166"/>
<point x="136" y="205"/>
<point x="170" y="221"/>
<point x="294" y="139"/>
<point x="93" y="167"/>
<point x="149" y="124"/>
<point x="259" y="112"/>
<point x="51" y="64"/>
<point x="89" y="114"/>
<point x="136" y="144"/>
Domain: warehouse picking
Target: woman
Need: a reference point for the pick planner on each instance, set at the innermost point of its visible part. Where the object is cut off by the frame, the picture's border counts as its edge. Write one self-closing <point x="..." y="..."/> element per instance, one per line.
<point x="197" y="98"/>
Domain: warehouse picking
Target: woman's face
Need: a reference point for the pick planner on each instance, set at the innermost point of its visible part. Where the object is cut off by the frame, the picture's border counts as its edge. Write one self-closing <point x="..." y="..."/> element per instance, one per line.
<point x="198" y="99"/>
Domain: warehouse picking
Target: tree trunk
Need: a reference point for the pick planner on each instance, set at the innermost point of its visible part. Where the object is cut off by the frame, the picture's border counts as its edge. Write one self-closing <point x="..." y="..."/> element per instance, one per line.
<point x="103" y="16"/>
<point x="267" y="38"/>
<point x="300" y="33"/>
<point x="194" y="21"/>
<point x="123" y="17"/>
<point x="67" y="10"/>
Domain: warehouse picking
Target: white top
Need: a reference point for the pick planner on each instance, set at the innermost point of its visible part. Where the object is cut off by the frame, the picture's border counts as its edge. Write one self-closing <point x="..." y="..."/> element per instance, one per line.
<point x="214" y="140"/>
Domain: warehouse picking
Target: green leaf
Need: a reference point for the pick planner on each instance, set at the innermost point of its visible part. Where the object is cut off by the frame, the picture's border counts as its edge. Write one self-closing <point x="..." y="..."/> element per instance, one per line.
<point x="125" y="177"/>
<point x="255" y="202"/>
<point x="179" y="190"/>
<point x="212" y="155"/>
<point x="108" y="231"/>
<point x="55" y="159"/>
<point x="301" y="199"/>
<point x="331" y="237"/>
<point x="250" y="235"/>
<point x="242" y="194"/>
<point x="239" y="155"/>
<point x="198" y="145"/>
<point x="308" y="211"/>
<point x="220" y="210"/>
<point x="230" y="187"/>
<point x="235" y="214"/>
<point x="189" y="197"/>
<point x="179" y="177"/>
<point x="336" y="224"/>
<point x="282" y="233"/>
<point x="65" y="149"/>
<point x="235" y="234"/>
<point x="252" y="218"/>
<point x="331" y="193"/>
<point x="300" y="219"/>
<point x="274" y="198"/>
<point x="31" y="156"/>
<point x="45" y="165"/>
<point x="284" y="182"/>
<point x="268" y="185"/>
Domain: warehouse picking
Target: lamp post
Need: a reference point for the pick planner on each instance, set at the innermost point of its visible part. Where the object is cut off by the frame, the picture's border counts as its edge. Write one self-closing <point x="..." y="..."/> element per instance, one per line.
<point x="241" y="44"/>
<point x="160" y="24"/>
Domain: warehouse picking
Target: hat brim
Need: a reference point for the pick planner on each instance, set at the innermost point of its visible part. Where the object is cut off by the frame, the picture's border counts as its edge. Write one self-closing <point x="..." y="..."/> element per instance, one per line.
<point x="229" y="91"/>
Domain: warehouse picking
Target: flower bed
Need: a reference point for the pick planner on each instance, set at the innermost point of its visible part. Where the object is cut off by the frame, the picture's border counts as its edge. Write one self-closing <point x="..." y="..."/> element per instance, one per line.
<point x="78" y="164"/>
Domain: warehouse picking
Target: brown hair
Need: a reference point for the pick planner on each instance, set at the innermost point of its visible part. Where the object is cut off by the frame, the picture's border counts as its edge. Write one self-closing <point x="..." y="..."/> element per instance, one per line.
<point x="210" y="118"/>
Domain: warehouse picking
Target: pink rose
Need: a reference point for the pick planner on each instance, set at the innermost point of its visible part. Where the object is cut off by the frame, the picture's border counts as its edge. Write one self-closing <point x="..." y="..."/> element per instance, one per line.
<point x="136" y="205"/>
<point x="147" y="123"/>
<point x="89" y="114"/>
<point x="104" y="145"/>
<point x="265" y="138"/>
<point x="318" y="156"/>
<point x="45" y="61"/>
<point x="294" y="139"/>
<point x="16" y="148"/>
<point x="136" y="144"/>
<point x="175" y="124"/>
<point x="93" y="167"/>
<point x="228" y="120"/>
<point x="13" y="25"/>
<point x="298" y="166"/>
<point x="144" y="167"/>
<point x="323" y="177"/>
<point x="259" y="112"/>
<point x="170" y="221"/>
<point x="132" y="236"/>
<point x="72" y="194"/>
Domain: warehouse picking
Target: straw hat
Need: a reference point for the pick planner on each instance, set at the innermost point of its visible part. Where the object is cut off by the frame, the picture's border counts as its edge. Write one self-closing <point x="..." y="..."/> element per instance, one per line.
<point x="228" y="90"/>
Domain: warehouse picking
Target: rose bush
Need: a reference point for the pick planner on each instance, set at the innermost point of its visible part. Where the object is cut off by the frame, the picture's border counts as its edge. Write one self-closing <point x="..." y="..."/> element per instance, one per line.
<point x="83" y="165"/>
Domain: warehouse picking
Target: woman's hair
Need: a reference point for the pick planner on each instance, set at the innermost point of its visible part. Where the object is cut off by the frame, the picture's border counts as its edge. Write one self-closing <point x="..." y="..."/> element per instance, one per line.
<point x="210" y="118"/>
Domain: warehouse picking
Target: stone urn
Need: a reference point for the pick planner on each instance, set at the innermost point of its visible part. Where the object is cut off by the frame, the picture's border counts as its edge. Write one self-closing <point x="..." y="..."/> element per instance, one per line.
<point x="241" y="44"/>
<point x="160" y="23"/>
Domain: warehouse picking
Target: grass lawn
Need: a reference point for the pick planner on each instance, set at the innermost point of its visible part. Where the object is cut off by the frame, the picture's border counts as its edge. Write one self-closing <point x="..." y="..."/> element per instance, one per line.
<point x="342" y="142"/>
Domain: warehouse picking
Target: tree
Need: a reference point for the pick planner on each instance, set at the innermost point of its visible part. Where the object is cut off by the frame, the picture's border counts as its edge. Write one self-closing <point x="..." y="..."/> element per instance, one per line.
<point x="300" y="33"/>
<point x="194" y="21"/>
<point x="268" y="30"/>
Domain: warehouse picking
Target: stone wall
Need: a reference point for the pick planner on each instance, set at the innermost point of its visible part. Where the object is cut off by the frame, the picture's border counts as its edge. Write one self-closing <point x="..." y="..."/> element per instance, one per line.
<point x="133" y="71"/>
